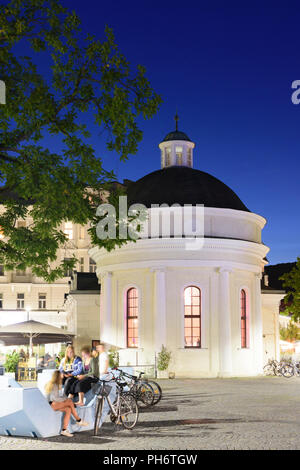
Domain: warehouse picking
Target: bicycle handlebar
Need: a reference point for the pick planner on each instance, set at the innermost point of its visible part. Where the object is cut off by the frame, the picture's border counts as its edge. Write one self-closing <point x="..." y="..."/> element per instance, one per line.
<point x="126" y="374"/>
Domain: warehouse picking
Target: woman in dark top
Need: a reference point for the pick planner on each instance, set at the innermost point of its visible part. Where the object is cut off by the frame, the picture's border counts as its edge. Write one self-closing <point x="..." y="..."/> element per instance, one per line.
<point x="89" y="375"/>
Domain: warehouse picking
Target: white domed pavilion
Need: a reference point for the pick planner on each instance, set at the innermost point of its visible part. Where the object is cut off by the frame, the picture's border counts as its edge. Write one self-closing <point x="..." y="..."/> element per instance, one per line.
<point x="201" y="301"/>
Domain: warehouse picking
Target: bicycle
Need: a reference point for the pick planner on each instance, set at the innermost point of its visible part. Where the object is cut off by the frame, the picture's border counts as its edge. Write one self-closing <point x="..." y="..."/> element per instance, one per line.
<point x="290" y="369"/>
<point x="123" y="411"/>
<point x="273" y="367"/>
<point x="156" y="389"/>
<point x="142" y="390"/>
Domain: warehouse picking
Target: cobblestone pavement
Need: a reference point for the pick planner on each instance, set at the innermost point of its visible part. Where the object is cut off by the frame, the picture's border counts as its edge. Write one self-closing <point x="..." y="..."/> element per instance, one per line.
<point x="247" y="413"/>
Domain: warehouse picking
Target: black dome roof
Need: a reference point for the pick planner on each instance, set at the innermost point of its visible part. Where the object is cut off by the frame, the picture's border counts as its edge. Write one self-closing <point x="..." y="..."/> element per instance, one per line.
<point x="176" y="135"/>
<point x="183" y="185"/>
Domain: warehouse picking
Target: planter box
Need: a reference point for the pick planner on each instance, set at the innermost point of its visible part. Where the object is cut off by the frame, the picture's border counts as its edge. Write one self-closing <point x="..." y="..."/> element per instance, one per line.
<point x="162" y="374"/>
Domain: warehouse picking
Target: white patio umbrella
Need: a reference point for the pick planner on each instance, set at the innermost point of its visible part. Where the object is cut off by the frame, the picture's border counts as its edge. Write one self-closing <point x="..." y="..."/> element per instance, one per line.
<point x="32" y="332"/>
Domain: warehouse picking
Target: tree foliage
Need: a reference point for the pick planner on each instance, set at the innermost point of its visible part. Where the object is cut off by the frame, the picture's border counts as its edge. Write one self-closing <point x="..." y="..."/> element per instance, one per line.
<point x="49" y="171"/>
<point x="291" y="281"/>
<point x="290" y="333"/>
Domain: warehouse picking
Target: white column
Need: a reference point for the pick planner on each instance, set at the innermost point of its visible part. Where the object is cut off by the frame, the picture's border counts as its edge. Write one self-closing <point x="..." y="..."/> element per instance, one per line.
<point x="258" y="325"/>
<point x="225" y="324"/>
<point x="160" y="320"/>
<point x="106" y="308"/>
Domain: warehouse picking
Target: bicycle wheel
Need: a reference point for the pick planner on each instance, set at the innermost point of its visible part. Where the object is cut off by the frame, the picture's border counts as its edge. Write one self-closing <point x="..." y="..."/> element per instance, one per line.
<point x="98" y="415"/>
<point x="287" y="371"/>
<point x="145" y="394"/>
<point x="268" y="370"/>
<point x="157" y="391"/>
<point x="129" y="411"/>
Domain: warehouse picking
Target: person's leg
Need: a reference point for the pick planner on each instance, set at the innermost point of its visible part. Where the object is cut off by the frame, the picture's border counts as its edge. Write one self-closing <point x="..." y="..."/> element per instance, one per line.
<point x="81" y="397"/>
<point x="67" y="416"/>
<point x="70" y="403"/>
<point x="69" y="386"/>
<point x="79" y="421"/>
<point x="83" y="386"/>
<point x="77" y="390"/>
<point x="64" y="408"/>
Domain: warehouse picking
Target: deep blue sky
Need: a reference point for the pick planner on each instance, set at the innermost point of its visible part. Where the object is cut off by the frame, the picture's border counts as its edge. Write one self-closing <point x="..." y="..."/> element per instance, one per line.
<point x="228" y="67"/>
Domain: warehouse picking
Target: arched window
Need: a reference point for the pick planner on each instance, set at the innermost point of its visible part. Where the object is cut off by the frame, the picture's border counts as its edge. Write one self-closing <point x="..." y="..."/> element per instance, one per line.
<point x="132" y="314"/>
<point x="244" y="320"/>
<point x="192" y="317"/>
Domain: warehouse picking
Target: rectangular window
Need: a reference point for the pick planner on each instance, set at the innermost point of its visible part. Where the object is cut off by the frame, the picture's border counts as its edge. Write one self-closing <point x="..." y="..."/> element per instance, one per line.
<point x="42" y="301"/>
<point x="1" y="270"/>
<point x="1" y="300"/>
<point x="189" y="157"/>
<point x="168" y="156"/>
<point x="178" y="151"/>
<point x="93" y="266"/>
<point x="69" y="230"/>
<point x="162" y="159"/>
<point x="20" y="300"/>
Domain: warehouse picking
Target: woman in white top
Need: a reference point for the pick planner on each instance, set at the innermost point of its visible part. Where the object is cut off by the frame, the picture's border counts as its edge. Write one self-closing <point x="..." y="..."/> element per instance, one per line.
<point x="59" y="402"/>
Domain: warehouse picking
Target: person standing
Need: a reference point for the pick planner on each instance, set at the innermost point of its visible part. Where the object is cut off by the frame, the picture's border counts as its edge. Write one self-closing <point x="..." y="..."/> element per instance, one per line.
<point x="103" y="360"/>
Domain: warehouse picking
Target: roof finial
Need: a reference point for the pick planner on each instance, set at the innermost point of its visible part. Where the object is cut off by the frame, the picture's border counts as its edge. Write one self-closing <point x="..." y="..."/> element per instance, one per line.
<point x="176" y="120"/>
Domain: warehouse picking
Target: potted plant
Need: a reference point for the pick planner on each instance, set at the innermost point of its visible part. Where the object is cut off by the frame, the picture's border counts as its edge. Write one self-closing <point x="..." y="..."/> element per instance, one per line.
<point x="113" y="357"/>
<point x="11" y="362"/>
<point x="163" y="361"/>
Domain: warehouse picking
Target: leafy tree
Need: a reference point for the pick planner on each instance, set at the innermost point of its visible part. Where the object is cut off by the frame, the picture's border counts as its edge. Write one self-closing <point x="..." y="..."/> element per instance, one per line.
<point x="291" y="281"/>
<point x="49" y="170"/>
<point x="290" y="333"/>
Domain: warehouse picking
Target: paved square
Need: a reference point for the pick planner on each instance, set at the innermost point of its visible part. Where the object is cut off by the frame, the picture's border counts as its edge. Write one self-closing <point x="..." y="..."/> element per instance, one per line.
<point x="248" y="413"/>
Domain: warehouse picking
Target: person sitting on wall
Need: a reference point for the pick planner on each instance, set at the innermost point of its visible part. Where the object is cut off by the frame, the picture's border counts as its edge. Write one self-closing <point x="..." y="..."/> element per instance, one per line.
<point x="70" y="367"/>
<point x="59" y="402"/>
<point x="90" y="375"/>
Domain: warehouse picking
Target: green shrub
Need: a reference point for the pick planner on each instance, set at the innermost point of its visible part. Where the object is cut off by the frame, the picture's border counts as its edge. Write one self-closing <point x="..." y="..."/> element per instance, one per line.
<point x="11" y="362"/>
<point x="163" y="358"/>
<point x="113" y="358"/>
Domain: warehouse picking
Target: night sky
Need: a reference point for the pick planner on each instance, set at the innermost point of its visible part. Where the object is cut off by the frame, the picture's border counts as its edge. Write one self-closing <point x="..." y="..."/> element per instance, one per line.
<point x="227" y="67"/>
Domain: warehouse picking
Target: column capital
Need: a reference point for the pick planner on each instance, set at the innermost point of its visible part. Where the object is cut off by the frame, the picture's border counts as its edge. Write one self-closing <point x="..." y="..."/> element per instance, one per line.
<point x="158" y="269"/>
<point x="224" y="269"/>
<point x="106" y="273"/>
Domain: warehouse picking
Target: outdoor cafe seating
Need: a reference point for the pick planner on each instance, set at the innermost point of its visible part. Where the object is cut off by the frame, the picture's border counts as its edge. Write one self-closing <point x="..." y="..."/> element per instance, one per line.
<point x="27" y="370"/>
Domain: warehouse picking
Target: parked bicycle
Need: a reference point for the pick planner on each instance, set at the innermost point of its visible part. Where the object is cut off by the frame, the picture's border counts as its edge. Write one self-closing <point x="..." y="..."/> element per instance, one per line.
<point x="123" y="411"/>
<point x="290" y="369"/>
<point x="273" y="367"/>
<point x="141" y="389"/>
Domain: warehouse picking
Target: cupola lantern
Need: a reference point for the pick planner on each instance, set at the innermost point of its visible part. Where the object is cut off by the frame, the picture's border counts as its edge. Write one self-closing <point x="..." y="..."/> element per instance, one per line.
<point x="176" y="149"/>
